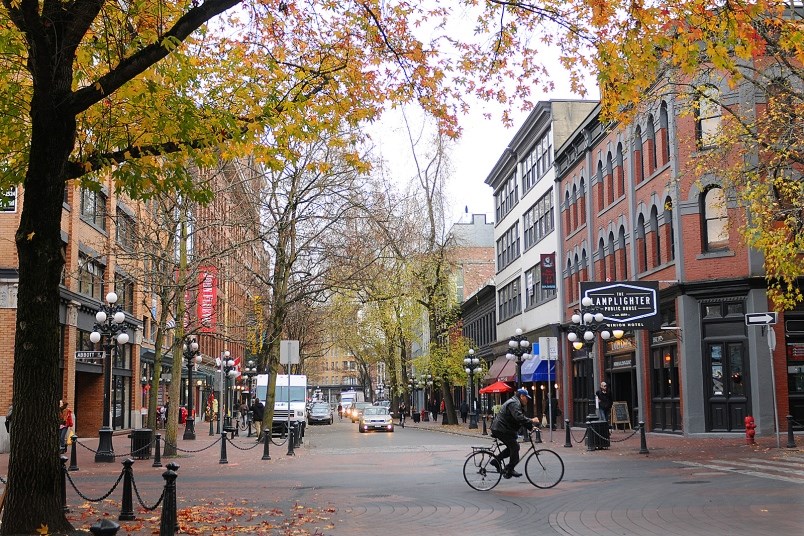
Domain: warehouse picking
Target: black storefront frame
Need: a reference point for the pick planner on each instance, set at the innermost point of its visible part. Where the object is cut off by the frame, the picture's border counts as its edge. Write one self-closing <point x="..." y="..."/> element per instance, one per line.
<point x="794" y="365"/>
<point x="583" y="381"/>
<point x="619" y="361"/>
<point x="665" y="382"/>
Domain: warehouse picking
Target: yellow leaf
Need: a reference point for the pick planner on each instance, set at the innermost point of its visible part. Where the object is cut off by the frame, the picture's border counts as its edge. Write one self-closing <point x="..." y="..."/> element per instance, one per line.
<point x="42" y="528"/>
<point x="30" y="236"/>
<point x="99" y="87"/>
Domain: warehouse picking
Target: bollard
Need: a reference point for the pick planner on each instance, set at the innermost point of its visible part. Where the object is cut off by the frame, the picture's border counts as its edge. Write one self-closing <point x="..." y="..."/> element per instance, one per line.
<point x="791" y="440"/>
<point x="167" y="525"/>
<point x="127" y="507"/>
<point x="538" y="438"/>
<point x="73" y="455"/>
<point x="157" y="451"/>
<point x="223" y="448"/>
<point x="299" y="433"/>
<point x="211" y="424"/>
<point x="568" y="437"/>
<point x="484" y="426"/>
<point x="643" y="445"/>
<point x="590" y="439"/>
<point x="265" y="450"/>
<point x="104" y="527"/>
<point x="444" y="417"/>
<point x="291" y="441"/>
<point x="64" y="484"/>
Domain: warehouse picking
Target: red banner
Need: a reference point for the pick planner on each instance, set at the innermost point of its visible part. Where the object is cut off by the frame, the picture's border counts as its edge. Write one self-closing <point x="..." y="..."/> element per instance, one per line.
<point x="207" y="298"/>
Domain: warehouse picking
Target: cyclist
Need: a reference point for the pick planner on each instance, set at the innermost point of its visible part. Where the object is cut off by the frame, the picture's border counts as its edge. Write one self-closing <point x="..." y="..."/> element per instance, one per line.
<point x="403" y="411"/>
<point x="340" y="412"/>
<point x="504" y="427"/>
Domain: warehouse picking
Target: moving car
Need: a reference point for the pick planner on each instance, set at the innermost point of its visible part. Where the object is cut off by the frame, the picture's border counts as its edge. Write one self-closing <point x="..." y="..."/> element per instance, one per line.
<point x="376" y="418"/>
<point x="320" y="412"/>
<point x="356" y="410"/>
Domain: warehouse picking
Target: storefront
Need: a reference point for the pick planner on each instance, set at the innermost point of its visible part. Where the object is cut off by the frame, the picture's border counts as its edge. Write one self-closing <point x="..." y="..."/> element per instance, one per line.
<point x="664" y="382"/>
<point x="794" y="348"/>
<point x="620" y="373"/>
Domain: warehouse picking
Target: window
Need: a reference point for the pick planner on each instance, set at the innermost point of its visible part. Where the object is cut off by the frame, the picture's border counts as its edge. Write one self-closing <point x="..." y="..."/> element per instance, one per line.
<point x="639" y="161"/>
<point x="93" y="208"/>
<point x="538" y="220"/>
<point x="642" y="246"/>
<point x="609" y="180"/>
<point x="124" y="288"/>
<point x="601" y="256"/>
<point x="90" y="277"/>
<point x="707" y="117"/>
<point x="8" y="200"/>
<point x="651" y="139"/>
<point x="668" y="221"/>
<point x="716" y="220"/>
<point x="664" y="134"/>
<point x="508" y="247"/>
<point x="657" y="239"/>
<point x="506" y="197"/>
<point x="509" y="299"/>
<point x="620" y="172"/>
<point x="124" y="230"/>
<point x="534" y="293"/>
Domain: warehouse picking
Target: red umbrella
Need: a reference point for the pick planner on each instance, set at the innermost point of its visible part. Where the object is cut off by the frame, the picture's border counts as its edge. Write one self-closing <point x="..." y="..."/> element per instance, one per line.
<point x="497" y="387"/>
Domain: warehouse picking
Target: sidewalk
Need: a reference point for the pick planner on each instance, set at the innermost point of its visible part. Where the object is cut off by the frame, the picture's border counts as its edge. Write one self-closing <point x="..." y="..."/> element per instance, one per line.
<point x="659" y="445"/>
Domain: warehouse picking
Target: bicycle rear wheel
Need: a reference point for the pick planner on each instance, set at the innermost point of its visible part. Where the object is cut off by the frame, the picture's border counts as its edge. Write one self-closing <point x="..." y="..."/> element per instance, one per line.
<point x="478" y="471"/>
<point x="544" y="468"/>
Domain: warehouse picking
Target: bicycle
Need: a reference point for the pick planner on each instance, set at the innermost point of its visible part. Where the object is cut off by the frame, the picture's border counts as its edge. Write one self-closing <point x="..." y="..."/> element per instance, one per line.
<point x="543" y="467"/>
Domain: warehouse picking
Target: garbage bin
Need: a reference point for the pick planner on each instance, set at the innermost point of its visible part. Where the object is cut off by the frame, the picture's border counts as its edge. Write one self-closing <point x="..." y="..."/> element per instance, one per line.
<point x="141" y="443"/>
<point x="597" y="436"/>
<point x="416" y="416"/>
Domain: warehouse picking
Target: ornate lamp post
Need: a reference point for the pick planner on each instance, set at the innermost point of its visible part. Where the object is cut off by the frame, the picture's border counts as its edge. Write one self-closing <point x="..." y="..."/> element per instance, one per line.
<point x="192" y="356"/>
<point x="250" y="372"/>
<point x="518" y="347"/>
<point x="586" y="324"/>
<point x="472" y="363"/>
<point x="228" y="370"/>
<point x="109" y="323"/>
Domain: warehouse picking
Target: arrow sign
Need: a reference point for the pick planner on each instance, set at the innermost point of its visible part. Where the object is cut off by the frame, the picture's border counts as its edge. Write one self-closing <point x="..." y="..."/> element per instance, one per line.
<point x="760" y="319"/>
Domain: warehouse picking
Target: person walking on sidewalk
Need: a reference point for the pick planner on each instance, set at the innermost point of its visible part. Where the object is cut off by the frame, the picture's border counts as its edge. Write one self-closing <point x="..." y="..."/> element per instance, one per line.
<point x="464" y="411"/>
<point x="258" y="414"/>
<point x="604" y="402"/>
<point x="504" y="427"/>
<point x="403" y="409"/>
<point x="65" y="423"/>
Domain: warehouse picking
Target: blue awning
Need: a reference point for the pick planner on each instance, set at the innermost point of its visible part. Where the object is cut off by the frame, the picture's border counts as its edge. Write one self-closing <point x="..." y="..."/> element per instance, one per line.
<point x="537" y="370"/>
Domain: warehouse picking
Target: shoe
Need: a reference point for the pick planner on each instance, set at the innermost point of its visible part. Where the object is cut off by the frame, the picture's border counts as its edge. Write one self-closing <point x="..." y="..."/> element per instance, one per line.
<point x="495" y="463"/>
<point x="509" y="474"/>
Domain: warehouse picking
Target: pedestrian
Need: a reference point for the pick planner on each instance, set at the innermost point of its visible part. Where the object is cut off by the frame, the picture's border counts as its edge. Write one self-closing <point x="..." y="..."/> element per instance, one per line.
<point x="258" y="413"/>
<point x="8" y="417"/>
<point x="464" y="411"/>
<point x="403" y="409"/>
<point x="434" y="409"/>
<point x="214" y="408"/>
<point x="442" y="409"/>
<point x="340" y="411"/>
<point x="65" y="423"/>
<point x="604" y="402"/>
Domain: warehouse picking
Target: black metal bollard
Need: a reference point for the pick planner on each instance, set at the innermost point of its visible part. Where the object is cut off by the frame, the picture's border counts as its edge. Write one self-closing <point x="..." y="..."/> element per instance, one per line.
<point x="567" y="436"/>
<point x="299" y="433"/>
<point x="157" y="451"/>
<point x="73" y="454"/>
<point x="167" y="524"/>
<point x="791" y="440"/>
<point x="211" y="424"/>
<point x="64" y="484"/>
<point x="127" y="507"/>
<point x="223" y="448"/>
<point x="291" y="441"/>
<point x="590" y="438"/>
<point x="265" y="450"/>
<point x="643" y="445"/>
<point x="484" y="426"/>
<point x="104" y="527"/>
<point x="538" y="435"/>
<point x="444" y="417"/>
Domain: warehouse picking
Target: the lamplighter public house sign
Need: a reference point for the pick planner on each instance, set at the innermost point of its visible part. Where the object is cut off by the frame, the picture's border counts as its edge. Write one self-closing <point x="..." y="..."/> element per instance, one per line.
<point x="625" y="304"/>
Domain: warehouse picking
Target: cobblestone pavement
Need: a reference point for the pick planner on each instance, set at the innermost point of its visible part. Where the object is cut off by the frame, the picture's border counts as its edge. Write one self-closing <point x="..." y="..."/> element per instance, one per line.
<point x="411" y="482"/>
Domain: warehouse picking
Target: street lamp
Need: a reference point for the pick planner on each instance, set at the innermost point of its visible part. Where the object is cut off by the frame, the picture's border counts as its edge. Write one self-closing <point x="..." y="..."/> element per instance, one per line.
<point x="109" y="322"/>
<point x="518" y="347"/>
<point x="228" y="370"/>
<point x="250" y="372"/>
<point x="472" y="363"/>
<point x="192" y="356"/>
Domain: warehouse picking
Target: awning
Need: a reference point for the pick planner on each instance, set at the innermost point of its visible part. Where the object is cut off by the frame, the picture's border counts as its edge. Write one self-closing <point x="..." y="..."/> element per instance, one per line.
<point x="508" y="372"/>
<point x="494" y="370"/>
<point x="537" y="370"/>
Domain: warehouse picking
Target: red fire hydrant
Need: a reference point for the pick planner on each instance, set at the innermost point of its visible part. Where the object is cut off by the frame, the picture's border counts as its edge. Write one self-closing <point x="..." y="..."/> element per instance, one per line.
<point x="750" y="430"/>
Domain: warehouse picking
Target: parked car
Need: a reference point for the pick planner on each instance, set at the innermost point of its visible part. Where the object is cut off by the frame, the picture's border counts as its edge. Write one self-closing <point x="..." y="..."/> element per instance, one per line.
<point x="356" y="410"/>
<point x="320" y="412"/>
<point x="383" y="403"/>
<point x="376" y="418"/>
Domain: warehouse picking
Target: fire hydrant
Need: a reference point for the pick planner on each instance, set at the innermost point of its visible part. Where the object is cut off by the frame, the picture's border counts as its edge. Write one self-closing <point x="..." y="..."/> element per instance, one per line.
<point x="750" y="430"/>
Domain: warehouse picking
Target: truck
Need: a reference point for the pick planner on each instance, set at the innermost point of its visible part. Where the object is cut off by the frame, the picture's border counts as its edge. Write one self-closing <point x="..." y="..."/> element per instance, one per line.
<point x="347" y="397"/>
<point x="290" y="390"/>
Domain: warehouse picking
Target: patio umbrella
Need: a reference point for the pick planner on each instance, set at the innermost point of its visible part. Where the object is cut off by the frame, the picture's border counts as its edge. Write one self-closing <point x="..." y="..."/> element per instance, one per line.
<point x="497" y="387"/>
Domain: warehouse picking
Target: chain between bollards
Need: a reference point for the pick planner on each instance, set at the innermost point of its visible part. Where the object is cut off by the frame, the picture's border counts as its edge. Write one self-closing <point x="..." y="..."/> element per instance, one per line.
<point x="643" y="445"/>
<point x="127" y="505"/>
<point x="167" y="525"/>
<point x="73" y="454"/>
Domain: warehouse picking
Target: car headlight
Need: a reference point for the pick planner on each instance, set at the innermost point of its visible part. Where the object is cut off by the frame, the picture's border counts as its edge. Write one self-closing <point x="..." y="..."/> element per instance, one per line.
<point x="299" y="413"/>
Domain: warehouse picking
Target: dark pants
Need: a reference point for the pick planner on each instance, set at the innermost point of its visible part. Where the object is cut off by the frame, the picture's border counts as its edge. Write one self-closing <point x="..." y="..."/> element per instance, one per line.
<point x="510" y="451"/>
<point x="463" y="416"/>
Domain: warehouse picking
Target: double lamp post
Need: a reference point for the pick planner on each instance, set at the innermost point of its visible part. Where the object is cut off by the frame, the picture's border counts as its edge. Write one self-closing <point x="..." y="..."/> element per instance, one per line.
<point x="472" y="364"/>
<point x="192" y="357"/>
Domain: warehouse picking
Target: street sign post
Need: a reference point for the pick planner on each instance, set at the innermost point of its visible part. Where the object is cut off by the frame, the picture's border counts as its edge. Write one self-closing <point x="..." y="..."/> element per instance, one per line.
<point x="760" y="319"/>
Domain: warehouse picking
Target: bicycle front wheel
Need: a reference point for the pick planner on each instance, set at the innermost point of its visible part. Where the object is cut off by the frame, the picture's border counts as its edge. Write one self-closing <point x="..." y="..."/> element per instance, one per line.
<point x="478" y="471"/>
<point x="544" y="468"/>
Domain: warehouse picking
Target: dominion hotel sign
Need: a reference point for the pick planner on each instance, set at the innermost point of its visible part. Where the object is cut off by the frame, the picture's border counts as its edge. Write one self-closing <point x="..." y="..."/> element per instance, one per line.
<point x="626" y="305"/>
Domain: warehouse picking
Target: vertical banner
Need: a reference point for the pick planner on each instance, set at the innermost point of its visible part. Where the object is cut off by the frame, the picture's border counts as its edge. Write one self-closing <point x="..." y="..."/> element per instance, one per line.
<point x="548" y="271"/>
<point x="207" y="298"/>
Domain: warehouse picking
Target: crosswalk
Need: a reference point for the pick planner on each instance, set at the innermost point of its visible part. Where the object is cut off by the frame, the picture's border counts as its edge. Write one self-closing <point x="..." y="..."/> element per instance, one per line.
<point x="787" y="468"/>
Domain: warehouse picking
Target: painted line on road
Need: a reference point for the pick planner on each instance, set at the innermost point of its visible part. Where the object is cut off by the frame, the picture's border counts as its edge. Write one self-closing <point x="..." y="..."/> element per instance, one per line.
<point x="740" y="471"/>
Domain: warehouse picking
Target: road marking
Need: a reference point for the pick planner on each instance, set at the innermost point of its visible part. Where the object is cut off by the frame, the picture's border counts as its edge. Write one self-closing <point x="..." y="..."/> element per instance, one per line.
<point x="716" y="465"/>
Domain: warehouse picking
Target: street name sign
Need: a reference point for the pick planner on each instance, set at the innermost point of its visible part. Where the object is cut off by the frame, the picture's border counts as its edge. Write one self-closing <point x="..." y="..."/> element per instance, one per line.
<point x="760" y="319"/>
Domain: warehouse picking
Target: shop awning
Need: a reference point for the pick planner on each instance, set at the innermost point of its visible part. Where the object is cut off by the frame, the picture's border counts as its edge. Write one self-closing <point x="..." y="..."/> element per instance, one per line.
<point x="494" y="370"/>
<point x="535" y="369"/>
<point x="508" y="372"/>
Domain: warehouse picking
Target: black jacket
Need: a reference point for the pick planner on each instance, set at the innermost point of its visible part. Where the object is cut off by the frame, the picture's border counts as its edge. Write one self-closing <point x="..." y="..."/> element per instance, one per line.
<point x="510" y="418"/>
<point x="604" y="399"/>
<point x="258" y="411"/>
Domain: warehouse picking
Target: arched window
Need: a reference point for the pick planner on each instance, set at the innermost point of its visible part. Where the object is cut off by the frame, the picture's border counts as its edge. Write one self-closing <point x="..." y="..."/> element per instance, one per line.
<point x="582" y="203"/>
<point x="668" y="224"/>
<point x="609" y="180"/>
<point x="574" y="207"/>
<point x="650" y="133"/>
<point x="639" y="161"/>
<point x="620" y="180"/>
<point x="707" y="117"/>
<point x="623" y="253"/>
<point x="601" y="187"/>
<point x="664" y="134"/>
<point x="612" y="257"/>
<point x="641" y="245"/>
<point x="584" y="267"/>
<point x="567" y="219"/>
<point x="657" y="239"/>
<point x="570" y="286"/>
<point x="715" y="220"/>
<point x="601" y="256"/>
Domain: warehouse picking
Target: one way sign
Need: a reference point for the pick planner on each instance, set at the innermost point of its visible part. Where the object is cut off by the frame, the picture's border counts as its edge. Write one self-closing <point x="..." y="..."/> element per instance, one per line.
<point x="760" y="319"/>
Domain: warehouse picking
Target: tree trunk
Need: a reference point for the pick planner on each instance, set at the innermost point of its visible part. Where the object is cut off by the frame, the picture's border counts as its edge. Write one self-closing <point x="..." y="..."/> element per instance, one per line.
<point x="34" y="465"/>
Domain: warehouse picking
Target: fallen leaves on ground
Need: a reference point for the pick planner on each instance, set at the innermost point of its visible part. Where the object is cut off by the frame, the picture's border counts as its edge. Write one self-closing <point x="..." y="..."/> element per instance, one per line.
<point x="211" y="519"/>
